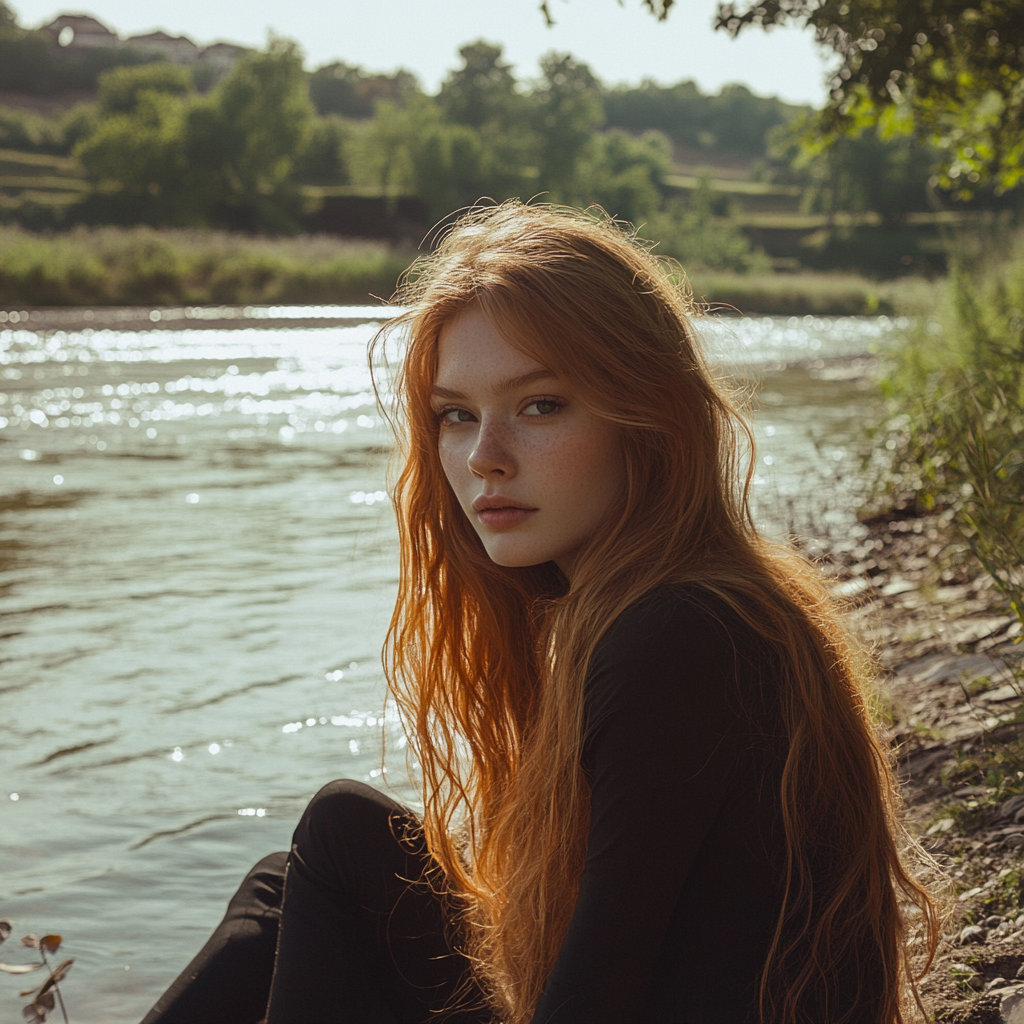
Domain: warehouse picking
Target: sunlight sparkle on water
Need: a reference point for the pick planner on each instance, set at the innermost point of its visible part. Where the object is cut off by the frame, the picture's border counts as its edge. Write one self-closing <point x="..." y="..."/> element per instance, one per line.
<point x="165" y="626"/>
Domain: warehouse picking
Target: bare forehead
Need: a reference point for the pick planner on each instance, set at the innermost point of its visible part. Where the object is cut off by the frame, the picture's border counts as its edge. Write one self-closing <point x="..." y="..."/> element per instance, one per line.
<point x="473" y="356"/>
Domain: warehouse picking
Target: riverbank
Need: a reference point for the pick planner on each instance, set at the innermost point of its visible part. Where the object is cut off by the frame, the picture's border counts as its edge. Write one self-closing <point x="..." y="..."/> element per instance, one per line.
<point x="946" y="650"/>
<point x="142" y="266"/>
<point x="99" y="267"/>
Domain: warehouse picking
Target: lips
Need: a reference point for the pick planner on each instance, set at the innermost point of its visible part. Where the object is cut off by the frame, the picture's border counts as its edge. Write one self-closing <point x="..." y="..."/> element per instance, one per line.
<point x="497" y="512"/>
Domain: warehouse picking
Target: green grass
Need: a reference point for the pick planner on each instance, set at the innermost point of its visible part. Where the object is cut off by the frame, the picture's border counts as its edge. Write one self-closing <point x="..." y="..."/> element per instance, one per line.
<point x="956" y="392"/>
<point x="112" y="266"/>
<point x="142" y="266"/>
<point x="817" y="294"/>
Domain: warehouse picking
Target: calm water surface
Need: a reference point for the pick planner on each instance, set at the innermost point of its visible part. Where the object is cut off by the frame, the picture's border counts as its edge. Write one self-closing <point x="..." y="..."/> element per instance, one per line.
<point x="197" y="564"/>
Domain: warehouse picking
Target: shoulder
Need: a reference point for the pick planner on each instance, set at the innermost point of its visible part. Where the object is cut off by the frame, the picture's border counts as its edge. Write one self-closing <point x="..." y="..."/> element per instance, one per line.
<point x="678" y="644"/>
<point x="680" y="617"/>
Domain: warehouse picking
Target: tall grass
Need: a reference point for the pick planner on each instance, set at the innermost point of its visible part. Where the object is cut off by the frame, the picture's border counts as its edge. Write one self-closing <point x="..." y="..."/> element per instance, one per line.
<point x="958" y="437"/>
<point x="113" y="266"/>
<point x="818" y="294"/>
<point x="142" y="266"/>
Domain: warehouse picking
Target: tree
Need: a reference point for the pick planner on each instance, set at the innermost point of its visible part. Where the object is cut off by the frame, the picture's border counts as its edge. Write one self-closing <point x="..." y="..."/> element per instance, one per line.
<point x="449" y="164"/>
<point x="136" y="160"/>
<point x="120" y="89"/>
<point x="164" y="155"/>
<point x="325" y="159"/>
<point x="734" y="121"/>
<point x="263" y="117"/>
<point x="866" y="173"/>
<point x="568" y="110"/>
<point x="340" y="88"/>
<point x="948" y="71"/>
<point x="483" y="90"/>
<point x="387" y="142"/>
<point x="623" y="174"/>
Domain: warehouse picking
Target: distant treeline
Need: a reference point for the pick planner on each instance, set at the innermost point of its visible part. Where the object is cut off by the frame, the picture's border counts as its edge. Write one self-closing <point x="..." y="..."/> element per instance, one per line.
<point x="272" y="148"/>
<point x="734" y="121"/>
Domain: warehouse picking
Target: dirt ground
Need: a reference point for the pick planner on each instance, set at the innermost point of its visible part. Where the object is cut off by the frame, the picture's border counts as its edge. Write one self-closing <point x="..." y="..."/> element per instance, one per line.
<point x="949" y="678"/>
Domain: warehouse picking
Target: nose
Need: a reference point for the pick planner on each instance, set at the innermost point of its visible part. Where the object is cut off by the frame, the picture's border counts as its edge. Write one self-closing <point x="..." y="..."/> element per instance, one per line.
<point x="492" y="455"/>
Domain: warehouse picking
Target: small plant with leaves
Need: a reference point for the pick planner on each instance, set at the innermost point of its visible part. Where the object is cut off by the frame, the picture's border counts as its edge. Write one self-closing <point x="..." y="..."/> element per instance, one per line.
<point x="960" y="396"/>
<point x="47" y="996"/>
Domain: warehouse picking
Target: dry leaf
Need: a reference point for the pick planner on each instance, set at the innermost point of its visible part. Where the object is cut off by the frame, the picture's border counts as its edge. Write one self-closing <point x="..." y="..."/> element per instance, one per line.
<point x="39" y="1007"/>
<point x="5" y="929"/>
<point x="59" y="973"/>
<point x="20" y="968"/>
<point x="33" y="1014"/>
<point x="32" y="941"/>
<point x="50" y="943"/>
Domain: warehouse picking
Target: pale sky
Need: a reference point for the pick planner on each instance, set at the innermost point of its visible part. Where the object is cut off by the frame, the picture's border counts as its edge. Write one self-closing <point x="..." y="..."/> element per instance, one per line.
<point x="621" y="43"/>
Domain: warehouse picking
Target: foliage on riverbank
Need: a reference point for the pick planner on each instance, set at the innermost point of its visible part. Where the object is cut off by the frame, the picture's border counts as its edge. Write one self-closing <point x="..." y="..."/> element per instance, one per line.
<point x="816" y="294"/>
<point x="957" y="391"/>
<point x="142" y="266"/>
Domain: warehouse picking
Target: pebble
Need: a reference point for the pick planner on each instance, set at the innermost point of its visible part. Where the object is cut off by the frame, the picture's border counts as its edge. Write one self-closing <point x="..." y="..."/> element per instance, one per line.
<point x="994" y="921"/>
<point x="1009" y="809"/>
<point x="972" y="933"/>
<point x="1011" y="1008"/>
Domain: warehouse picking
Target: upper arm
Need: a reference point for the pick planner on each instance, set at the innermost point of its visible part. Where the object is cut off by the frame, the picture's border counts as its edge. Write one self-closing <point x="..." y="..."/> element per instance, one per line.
<point x="662" y="747"/>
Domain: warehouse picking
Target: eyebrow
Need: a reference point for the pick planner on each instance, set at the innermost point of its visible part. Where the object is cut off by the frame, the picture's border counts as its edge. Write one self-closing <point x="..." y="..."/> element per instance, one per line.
<point x="503" y="387"/>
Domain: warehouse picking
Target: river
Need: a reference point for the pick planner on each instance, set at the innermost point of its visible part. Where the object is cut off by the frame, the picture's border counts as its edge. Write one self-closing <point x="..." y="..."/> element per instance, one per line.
<point x="197" y="563"/>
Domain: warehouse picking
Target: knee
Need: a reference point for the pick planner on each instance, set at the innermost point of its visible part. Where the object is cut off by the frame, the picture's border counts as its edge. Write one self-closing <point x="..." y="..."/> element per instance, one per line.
<point x="348" y="806"/>
<point x="261" y="890"/>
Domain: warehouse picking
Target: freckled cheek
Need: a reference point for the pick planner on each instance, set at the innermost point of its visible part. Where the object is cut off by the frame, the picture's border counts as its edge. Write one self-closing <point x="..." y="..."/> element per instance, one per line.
<point x="453" y="458"/>
<point x="566" y="465"/>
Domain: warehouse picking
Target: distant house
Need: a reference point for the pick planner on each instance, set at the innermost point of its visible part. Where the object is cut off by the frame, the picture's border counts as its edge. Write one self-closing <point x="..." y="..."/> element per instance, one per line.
<point x="179" y="49"/>
<point x="221" y="56"/>
<point x="80" y="32"/>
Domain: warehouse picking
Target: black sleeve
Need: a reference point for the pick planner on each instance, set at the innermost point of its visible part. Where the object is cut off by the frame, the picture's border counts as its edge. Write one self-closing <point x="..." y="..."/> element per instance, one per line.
<point x="663" y="746"/>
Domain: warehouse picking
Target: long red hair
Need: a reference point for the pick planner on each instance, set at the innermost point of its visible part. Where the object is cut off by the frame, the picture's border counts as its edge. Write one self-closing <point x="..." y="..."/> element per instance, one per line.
<point x="487" y="664"/>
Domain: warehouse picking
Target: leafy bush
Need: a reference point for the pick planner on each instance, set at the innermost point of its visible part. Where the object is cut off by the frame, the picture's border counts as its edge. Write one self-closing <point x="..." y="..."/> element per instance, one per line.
<point x="959" y="390"/>
<point x="692" y="234"/>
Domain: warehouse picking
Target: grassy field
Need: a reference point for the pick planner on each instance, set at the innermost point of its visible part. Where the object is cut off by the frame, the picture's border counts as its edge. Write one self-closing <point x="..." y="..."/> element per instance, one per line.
<point x="804" y="293"/>
<point x="142" y="266"/>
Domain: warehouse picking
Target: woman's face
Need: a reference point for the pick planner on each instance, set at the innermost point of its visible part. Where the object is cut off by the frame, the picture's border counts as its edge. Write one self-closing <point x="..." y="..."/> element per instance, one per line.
<point x="535" y="472"/>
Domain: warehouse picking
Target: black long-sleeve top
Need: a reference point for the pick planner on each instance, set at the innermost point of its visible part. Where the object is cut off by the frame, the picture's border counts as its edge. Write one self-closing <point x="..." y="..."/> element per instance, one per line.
<point x="680" y="892"/>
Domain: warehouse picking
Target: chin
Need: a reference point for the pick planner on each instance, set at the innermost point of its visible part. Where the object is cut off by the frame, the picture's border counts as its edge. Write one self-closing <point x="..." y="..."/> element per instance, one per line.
<point x="516" y="557"/>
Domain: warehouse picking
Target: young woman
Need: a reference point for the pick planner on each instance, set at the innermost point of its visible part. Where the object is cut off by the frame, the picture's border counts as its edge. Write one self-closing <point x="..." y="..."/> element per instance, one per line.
<point x="651" y="788"/>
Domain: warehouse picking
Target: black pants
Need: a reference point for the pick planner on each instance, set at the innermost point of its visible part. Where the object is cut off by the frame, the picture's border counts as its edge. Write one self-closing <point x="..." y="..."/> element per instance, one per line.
<point x="347" y="928"/>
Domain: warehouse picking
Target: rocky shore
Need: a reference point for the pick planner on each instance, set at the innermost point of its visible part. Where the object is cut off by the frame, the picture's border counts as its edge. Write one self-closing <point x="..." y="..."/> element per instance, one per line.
<point x="949" y="677"/>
